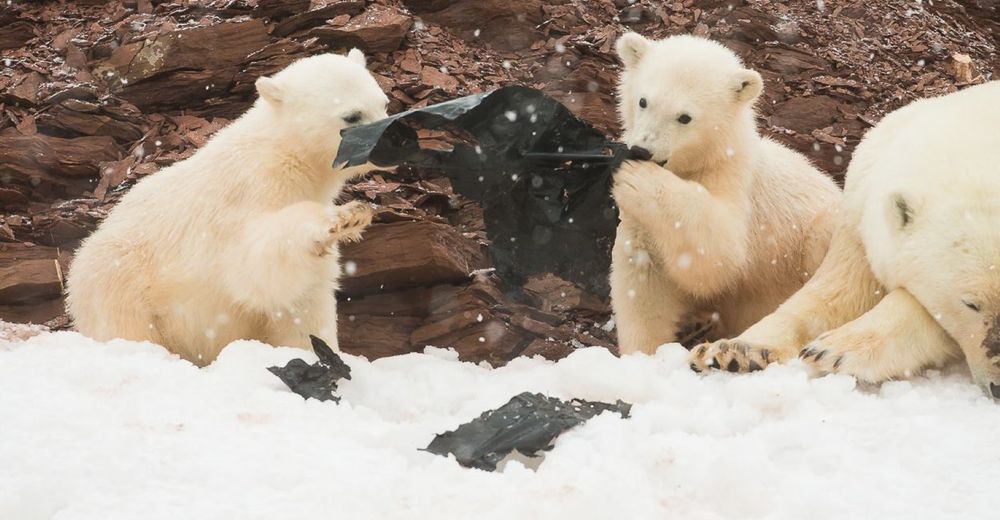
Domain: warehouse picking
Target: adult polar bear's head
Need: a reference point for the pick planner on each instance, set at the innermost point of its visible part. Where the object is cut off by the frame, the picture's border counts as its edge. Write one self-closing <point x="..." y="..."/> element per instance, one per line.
<point x="685" y="99"/>
<point x="925" y="181"/>
<point x="312" y="99"/>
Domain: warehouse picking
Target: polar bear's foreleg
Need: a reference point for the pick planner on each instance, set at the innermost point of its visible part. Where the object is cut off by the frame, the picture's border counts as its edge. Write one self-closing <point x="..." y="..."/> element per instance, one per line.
<point x="842" y="289"/>
<point x="702" y="237"/>
<point x="894" y="339"/>
<point x="285" y="253"/>
<point x="314" y="314"/>
<point x="646" y="306"/>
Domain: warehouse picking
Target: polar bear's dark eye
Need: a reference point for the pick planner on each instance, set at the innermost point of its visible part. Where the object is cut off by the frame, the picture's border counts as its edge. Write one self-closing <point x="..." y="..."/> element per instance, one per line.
<point x="642" y="103"/>
<point x="352" y="118"/>
<point x="972" y="306"/>
<point x="684" y="119"/>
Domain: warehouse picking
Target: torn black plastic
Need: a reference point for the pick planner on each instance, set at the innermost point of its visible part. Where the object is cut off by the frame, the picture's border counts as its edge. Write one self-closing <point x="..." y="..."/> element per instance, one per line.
<point x="318" y="380"/>
<point x="528" y="423"/>
<point x="542" y="176"/>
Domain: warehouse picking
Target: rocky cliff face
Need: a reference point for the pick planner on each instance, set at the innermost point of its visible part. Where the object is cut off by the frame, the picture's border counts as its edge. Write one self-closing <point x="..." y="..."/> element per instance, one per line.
<point x="97" y="94"/>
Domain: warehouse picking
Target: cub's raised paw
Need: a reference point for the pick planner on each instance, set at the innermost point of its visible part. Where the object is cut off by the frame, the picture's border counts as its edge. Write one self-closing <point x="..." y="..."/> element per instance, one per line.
<point x="349" y="221"/>
<point x="638" y="184"/>
<point x="343" y="223"/>
<point x="730" y="355"/>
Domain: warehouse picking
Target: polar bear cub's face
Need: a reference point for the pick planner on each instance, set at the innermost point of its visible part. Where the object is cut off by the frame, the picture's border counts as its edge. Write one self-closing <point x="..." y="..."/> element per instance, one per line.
<point x="947" y="256"/>
<point x="315" y="97"/>
<point x="681" y="98"/>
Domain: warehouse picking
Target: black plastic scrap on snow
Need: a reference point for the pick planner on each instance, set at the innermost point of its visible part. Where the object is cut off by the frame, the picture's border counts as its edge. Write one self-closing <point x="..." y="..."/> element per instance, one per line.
<point x="317" y="380"/>
<point x="542" y="176"/>
<point x="528" y="423"/>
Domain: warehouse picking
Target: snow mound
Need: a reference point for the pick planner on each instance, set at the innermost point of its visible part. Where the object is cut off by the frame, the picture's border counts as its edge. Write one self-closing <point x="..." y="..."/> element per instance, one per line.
<point x="124" y="430"/>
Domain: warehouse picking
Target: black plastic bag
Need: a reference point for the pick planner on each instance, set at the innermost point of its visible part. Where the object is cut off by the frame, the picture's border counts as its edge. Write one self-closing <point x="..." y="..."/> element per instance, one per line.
<point x="542" y="176"/>
<point x="528" y="423"/>
<point x="317" y="380"/>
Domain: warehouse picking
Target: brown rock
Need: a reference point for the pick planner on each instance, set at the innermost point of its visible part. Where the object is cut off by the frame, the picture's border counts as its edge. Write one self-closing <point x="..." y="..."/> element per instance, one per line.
<point x="41" y="162"/>
<point x="435" y="78"/>
<point x="180" y="68"/>
<point x="15" y="32"/>
<point x="502" y="23"/>
<point x="321" y="11"/>
<point x="375" y="336"/>
<point x="804" y="114"/>
<point x="962" y="68"/>
<point x="409" y="254"/>
<point x="30" y="273"/>
<point x="379" y="29"/>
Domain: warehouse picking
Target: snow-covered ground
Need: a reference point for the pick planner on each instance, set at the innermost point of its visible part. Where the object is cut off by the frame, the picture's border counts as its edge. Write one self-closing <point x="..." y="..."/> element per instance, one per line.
<point x="126" y="431"/>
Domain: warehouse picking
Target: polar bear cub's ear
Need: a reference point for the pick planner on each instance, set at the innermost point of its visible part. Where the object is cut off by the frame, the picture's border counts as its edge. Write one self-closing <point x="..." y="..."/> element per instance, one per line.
<point x="631" y="47"/>
<point x="270" y="90"/>
<point x="748" y="85"/>
<point x="356" y="56"/>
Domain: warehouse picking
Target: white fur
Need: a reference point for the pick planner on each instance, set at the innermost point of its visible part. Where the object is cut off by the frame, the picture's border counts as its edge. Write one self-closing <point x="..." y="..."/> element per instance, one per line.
<point x="734" y="223"/>
<point x="239" y="240"/>
<point x="890" y="298"/>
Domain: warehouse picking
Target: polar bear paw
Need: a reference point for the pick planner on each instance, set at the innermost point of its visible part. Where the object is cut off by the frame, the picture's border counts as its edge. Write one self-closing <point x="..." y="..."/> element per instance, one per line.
<point x="344" y="223"/>
<point x="731" y="355"/>
<point x="846" y="352"/>
<point x="350" y="220"/>
<point x="639" y="185"/>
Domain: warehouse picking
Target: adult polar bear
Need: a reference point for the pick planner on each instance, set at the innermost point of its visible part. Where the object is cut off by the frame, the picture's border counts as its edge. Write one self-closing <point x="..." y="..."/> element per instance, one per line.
<point x="734" y="224"/>
<point x="239" y="240"/>
<point x="912" y="275"/>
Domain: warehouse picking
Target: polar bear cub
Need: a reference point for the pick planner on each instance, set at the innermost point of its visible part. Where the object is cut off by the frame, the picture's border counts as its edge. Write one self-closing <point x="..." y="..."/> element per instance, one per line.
<point x="912" y="278"/>
<point x="719" y="220"/>
<point x="239" y="241"/>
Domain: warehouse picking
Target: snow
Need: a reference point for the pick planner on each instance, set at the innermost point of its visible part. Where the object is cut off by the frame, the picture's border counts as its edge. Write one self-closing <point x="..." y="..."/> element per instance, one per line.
<point x="124" y="430"/>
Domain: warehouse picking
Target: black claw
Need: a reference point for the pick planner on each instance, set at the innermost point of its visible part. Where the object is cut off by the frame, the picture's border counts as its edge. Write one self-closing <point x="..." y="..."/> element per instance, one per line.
<point x="836" y="364"/>
<point x="733" y="366"/>
<point x="714" y="364"/>
<point x="806" y="352"/>
<point x="695" y="369"/>
<point x="766" y="354"/>
<point x="820" y="354"/>
<point x="754" y="366"/>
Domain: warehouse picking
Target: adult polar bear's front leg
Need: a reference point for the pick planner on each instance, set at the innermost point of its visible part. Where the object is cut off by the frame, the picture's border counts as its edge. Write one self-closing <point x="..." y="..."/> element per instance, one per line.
<point x="897" y="337"/>
<point x="842" y="289"/>
<point x="284" y="253"/>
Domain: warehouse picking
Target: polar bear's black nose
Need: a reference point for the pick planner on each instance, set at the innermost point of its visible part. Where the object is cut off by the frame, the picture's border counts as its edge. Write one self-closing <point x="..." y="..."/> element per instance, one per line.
<point x="639" y="153"/>
<point x="995" y="390"/>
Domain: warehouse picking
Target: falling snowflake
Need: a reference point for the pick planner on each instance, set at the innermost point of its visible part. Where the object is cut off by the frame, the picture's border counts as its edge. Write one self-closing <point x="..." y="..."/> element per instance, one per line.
<point x="684" y="261"/>
<point x="350" y="267"/>
<point x="560" y="48"/>
<point x="510" y="115"/>
<point x="631" y="293"/>
<point x="476" y="33"/>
